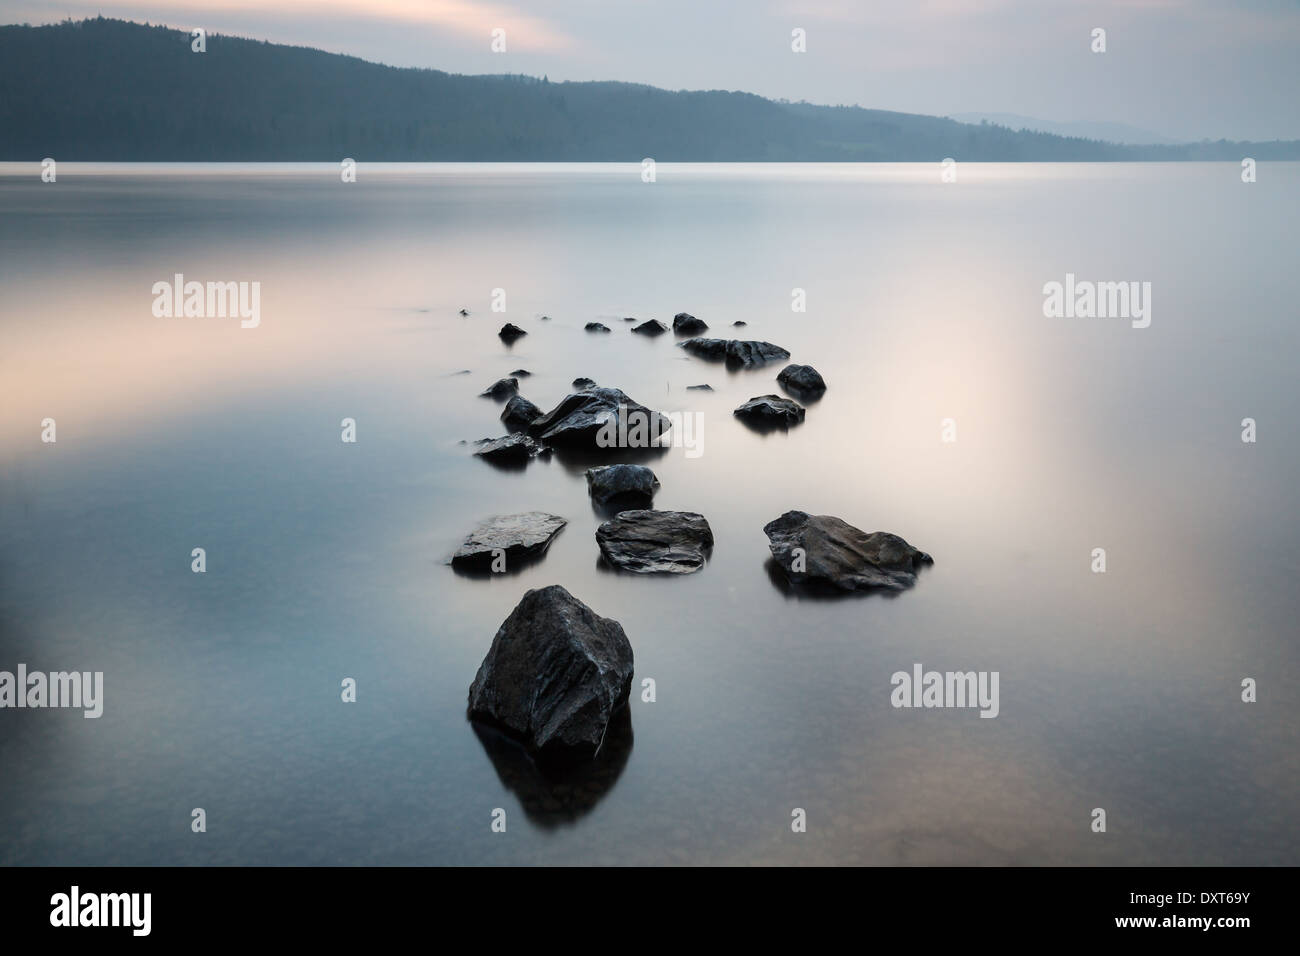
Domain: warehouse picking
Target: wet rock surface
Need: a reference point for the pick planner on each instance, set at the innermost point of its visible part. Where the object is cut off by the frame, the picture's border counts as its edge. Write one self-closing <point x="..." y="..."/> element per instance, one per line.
<point x="555" y="677"/>
<point x="801" y="380"/>
<point x="687" y="324"/>
<point x="737" y="353"/>
<point x="656" y="542"/>
<point x="519" y="413"/>
<point x="770" y="411"/>
<point x="633" y="486"/>
<point x="519" y="537"/>
<point x="651" y="327"/>
<point x="509" y="332"/>
<point x="582" y="418"/>
<point x="501" y="388"/>
<point x="513" y="449"/>
<point x="826" y="551"/>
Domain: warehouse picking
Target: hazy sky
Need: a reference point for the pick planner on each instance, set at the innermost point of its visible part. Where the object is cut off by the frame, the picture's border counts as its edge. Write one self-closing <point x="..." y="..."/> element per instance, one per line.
<point x="1182" y="68"/>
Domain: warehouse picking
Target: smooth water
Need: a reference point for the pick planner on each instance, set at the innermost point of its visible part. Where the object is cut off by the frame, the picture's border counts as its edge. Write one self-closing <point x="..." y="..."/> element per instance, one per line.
<point x="327" y="560"/>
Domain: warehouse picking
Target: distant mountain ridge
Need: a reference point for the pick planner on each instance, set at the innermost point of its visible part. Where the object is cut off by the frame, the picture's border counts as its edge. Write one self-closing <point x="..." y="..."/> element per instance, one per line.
<point x="113" y="90"/>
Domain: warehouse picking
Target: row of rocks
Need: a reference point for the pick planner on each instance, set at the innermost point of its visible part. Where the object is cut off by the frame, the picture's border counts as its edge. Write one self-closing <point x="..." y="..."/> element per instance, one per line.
<point x="818" y="550"/>
<point x="557" y="674"/>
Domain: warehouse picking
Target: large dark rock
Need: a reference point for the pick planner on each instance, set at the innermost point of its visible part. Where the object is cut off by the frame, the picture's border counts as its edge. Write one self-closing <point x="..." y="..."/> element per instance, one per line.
<point x="651" y="327"/>
<point x="501" y="388"/>
<point x="801" y="380"/>
<point x="686" y="324"/>
<point x="737" y="353"/>
<point x="513" y="449"/>
<point x="519" y="413"/>
<point x="630" y="485"/>
<point x="771" y="411"/>
<point x="555" y="677"/>
<point x="510" y="332"/>
<point x="654" y="542"/>
<point x="583" y="418"/>
<point x="521" y="537"/>
<point x="824" y="550"/>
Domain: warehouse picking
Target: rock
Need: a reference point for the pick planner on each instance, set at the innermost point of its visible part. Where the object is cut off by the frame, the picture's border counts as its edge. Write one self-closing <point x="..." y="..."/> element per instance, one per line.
<point x="546" y="318"/>
<point x="833" y="552"/>
<point x="581" y="382"/>
<point x="686" y="324"/>
<point x="629" y="318"/>
<point x="739" y="322"/>
<point x="501" y="388"/>
<point x="511" y="450"/>
<point x="519" y="413"/>
<point x="651" y="327"/>
<point x="596" y="327"/>
<point x="633" y="485"/>
<point x="581" y="418"/>
<point x="672" y="542"/>
<point x="699" y="388"/>
<point x="801" y="380"/>
<point x="520" y="537"/>
<point x="771" y="411"/>
<point x="510" y="332"/>
<point x="735" y="352"/>
<point x="521" y="372"/>
<point x="463" y="313"/>
<point x="555" y="676"/>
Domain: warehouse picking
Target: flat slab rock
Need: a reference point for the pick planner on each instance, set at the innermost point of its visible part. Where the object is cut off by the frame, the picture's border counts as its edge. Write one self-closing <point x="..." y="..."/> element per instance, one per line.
<point x="512" y="449"/>
<point x="521" y="536"/>
<point x="772" y="411"/>
<point x="633" y="483"/>
<point x="827" y="550"/>
<point x="735" y="352"/>
<point x="581" y="417"/>
<point x="656" y="542"/>
<point x="555" y="676"/>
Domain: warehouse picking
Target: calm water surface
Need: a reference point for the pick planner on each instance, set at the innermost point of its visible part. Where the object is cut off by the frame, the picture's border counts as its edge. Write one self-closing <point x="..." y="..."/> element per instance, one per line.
<point x="327" y="560"/>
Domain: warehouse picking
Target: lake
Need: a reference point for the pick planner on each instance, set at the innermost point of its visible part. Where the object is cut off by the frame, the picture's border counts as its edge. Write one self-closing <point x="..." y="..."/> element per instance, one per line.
<point x="1008" y="444"/>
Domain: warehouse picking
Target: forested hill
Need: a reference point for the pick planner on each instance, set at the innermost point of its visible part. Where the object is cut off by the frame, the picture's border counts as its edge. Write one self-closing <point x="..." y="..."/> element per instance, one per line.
<point x="113" y="90"/>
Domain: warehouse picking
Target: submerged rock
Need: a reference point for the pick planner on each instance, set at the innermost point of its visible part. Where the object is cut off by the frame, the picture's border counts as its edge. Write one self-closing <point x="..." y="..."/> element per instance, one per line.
<point x="739" y="322"/>
<point x="737" y="353"/>
<point x="699" y="388"/>
<point x="825" y="550"/>
<point x="633" y="485"/>
<point x="519" y="537"/>
<point x="801" y="380"/>
<point x="510" y="332"/>
<point x="686" y="324"/>
<point x="585" y="417"/>
<point x="511" y="450"/>
<point x="629" y="318"/>
<point x="555" y="677"/>
<point x="583" y="382"/>
<point x="771" y="411"/>
<point x="652" y="327"/>
<point x="501" y="388"/>
<point x="656" y="542"/>
<point x="519" y="413"/>
<point x="596" y="327"/>
<point x="521" y="372"/>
